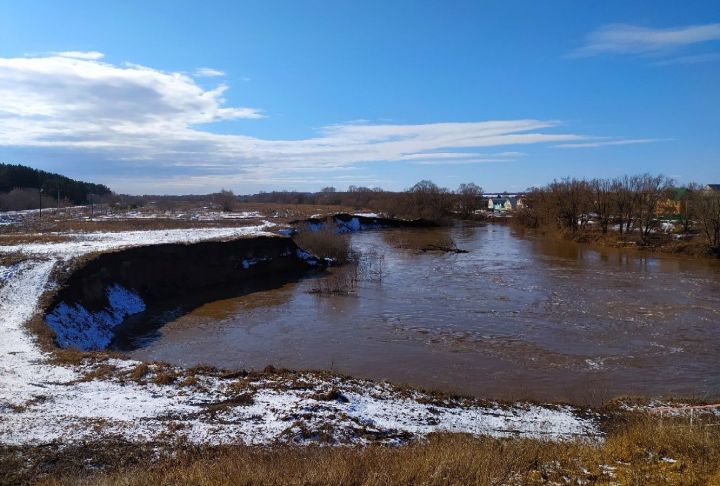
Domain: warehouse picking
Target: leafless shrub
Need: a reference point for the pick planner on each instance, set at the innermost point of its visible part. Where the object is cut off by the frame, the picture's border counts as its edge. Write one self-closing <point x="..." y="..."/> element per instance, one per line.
<point x="25" y="198"/>
<point x="226" y="200"/>
<point x="325" y="243"/>
<point x="340" y="281"/>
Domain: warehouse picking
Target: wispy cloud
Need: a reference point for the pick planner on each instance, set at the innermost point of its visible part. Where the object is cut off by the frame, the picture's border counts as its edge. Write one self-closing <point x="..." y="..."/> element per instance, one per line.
<point x="690" y="59"/>
<point x="87" y="55"/>
<point x="605" y="143"/>
<point x="635" y="40"/>
<point x="462" y="158"/>
<point x="206" y="72"/>
<point x="132" y="119"/>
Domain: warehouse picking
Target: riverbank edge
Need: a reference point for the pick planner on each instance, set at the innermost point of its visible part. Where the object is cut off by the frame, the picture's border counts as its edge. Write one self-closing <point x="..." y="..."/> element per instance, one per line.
<point x="102" y="366"/>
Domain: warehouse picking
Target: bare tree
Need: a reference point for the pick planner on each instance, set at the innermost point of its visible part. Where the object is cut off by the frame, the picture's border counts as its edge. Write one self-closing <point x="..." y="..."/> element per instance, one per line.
<point x="603" y="201"/>
<point x="704" y="207"/>
<point x="226" y="200"/>
<point x="427" y="200"/>
<point x="468" y="197"/>
<point x="570" y="202"/>
<point x="652" y="192"/>
<point x="625" y="203"/>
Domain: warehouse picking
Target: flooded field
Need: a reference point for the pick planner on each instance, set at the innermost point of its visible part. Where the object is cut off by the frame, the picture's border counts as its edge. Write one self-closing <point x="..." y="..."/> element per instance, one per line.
<point x="512" y="318"/>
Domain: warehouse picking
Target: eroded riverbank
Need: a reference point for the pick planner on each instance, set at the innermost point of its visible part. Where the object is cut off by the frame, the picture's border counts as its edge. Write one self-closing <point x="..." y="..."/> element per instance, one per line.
<point x="60" y="399"/>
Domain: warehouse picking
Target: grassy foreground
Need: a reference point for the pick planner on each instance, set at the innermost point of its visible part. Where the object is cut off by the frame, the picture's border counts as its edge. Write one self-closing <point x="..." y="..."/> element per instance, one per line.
<point x="640" y="449"/>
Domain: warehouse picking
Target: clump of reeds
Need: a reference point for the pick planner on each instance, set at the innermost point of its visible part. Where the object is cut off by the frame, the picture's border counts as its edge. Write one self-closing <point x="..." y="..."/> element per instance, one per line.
<point x="325" y="242"/>
<point x="340" y="281"/>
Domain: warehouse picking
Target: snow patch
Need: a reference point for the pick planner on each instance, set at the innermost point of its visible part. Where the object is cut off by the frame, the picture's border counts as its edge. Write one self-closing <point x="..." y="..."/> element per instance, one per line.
<point x="79" y="244"/>
<point x="307" y="256"/>
<point x="76" y="327"/>
<point x="249" y="262"/>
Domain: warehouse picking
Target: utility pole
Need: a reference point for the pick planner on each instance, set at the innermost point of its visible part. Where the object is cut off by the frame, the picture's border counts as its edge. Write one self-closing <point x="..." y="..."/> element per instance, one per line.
<point x="41" y="191"/>
<point x="58" y="200"/>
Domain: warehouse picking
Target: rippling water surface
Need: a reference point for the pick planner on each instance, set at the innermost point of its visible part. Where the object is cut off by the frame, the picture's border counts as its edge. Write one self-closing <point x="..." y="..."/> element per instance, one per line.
<point x="512" y="318"/>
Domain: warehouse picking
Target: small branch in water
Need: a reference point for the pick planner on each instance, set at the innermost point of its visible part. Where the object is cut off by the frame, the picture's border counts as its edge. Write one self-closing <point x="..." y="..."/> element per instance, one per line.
<point x="446" y="249"/>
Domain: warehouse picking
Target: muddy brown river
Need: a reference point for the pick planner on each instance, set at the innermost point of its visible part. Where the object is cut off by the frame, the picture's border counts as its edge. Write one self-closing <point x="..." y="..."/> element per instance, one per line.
<point x="515" y="317"/>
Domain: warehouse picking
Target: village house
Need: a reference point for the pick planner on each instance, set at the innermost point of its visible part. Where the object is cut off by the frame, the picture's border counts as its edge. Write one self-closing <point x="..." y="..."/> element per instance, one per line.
<point x="505" y="203"/>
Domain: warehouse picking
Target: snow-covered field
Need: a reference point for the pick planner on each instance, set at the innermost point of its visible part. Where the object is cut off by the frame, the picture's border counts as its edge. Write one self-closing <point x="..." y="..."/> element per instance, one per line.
<point x="42" y="402"/>
<point x="195" y="215"/>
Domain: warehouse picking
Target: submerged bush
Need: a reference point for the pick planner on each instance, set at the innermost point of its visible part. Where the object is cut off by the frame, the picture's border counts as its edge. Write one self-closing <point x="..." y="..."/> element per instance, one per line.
<point x="325" y="243"/>
<point x="422" y="240"/>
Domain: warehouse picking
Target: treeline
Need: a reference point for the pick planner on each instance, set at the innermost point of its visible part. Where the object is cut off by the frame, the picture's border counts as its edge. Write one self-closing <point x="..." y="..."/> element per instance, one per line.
<point x="423" y="200"/>
<point x="21" y="188"/>
<point x="630" y="204"/>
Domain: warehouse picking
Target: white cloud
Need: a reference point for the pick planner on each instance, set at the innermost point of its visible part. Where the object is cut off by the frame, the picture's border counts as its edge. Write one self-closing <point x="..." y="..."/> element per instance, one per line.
<point x="87" y="55"/>
<point x="139" y="121"/>
<point x="630" y="39"/>
<point x="207" y="72"/>
<point x="604" y="143"/>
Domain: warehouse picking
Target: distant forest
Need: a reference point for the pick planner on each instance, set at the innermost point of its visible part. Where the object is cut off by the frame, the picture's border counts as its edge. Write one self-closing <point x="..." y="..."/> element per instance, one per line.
<point x="19" y="186"/>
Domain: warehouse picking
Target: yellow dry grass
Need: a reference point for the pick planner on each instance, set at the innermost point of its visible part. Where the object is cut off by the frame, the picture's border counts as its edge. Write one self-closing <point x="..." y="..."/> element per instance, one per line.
<point x="640" y="449"/>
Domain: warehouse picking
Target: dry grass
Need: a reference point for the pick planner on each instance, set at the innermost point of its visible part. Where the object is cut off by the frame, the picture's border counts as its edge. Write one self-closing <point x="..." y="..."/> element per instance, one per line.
<point x="165" y="377"/>
<point x="325" y="243"/>
<point x="139" y="372"/>
<point x="639" y="450"/>
<point x="24" y="238"/>
<point x="8" y="259"/>
<point x="79" y="219"/>
<point x="421" y="240"/>
<point x="101" y="371"/>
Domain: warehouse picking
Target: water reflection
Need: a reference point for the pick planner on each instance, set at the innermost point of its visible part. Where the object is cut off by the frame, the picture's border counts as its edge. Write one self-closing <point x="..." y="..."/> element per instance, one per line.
<point x="516" y="317"/>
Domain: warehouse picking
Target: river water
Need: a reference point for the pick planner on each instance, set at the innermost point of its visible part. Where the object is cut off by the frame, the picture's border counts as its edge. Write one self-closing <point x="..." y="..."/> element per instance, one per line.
<point x="514" y="318"/>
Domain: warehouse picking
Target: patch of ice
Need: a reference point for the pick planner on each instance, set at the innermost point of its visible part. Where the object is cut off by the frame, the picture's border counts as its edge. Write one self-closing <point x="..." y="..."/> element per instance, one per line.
<point x="595" y="364"/>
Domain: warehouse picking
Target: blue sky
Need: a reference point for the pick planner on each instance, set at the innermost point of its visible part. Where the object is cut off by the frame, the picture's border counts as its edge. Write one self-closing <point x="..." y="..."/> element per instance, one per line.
<point x="189" y="97"/>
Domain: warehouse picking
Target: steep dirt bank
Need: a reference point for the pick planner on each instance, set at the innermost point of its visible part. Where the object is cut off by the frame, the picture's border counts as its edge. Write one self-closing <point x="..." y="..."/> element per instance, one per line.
<point x="345" y="222"/>
<point x="98" y="293"/>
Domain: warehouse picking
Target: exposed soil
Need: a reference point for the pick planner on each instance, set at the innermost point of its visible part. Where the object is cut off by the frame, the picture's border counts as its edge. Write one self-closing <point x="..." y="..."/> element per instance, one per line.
<point x="177" y="270"/>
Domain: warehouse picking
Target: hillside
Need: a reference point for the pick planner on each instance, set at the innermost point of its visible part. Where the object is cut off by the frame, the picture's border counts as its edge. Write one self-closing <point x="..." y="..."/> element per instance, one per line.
<point x="22" y="177"/>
